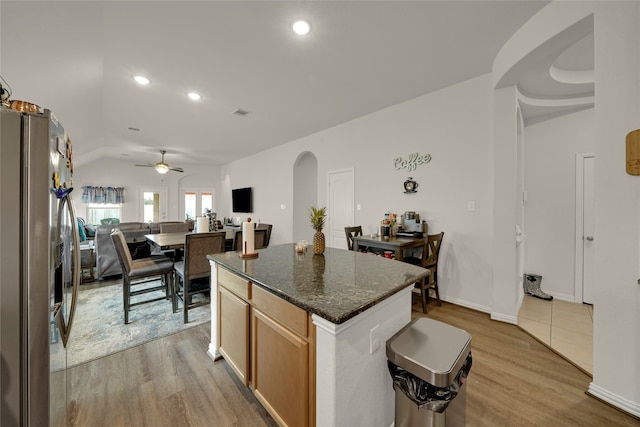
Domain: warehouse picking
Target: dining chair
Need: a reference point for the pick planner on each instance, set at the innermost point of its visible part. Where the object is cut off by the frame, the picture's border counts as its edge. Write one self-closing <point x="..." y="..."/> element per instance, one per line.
<point x="429" y="260"/>
<point x="139" y="273"/>
<point x="267" y="227"/>
<point x="194" y="272"/>
<point x="350" y="233"/>
<point x="174" y="227"/>
<point x="259" y="239"/>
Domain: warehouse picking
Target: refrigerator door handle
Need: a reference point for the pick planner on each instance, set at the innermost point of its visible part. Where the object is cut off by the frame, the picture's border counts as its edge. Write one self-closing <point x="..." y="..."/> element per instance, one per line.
<point x="65" y="327"/>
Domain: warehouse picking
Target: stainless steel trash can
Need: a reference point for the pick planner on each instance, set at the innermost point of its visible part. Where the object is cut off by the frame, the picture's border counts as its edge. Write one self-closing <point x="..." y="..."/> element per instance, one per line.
<point x="429" y="362"/>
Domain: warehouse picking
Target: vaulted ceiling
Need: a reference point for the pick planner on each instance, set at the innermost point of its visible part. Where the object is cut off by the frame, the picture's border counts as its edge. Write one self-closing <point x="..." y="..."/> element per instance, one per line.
<point x="78" y="59"/>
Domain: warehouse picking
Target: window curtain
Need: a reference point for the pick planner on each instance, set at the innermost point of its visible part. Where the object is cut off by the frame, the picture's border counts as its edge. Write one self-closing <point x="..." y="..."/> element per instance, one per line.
<point x="113" y="195"/>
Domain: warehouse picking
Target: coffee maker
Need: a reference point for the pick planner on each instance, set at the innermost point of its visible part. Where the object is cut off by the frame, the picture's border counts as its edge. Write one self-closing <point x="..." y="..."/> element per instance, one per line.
<point x="412" y="226"/>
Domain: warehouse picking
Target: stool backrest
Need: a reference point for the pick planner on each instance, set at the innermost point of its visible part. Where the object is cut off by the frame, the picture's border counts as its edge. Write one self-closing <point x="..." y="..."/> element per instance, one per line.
<point x="174" y="227"/>
<point x="196" y="248"/>
<point x="124" y="255"/>
<point x="434" y="242"/>
<point x="350" y="233"/>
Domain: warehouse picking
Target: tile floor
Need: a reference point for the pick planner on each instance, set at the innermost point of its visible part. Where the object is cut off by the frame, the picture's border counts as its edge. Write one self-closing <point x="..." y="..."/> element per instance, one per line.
<point x="564" y="326"/>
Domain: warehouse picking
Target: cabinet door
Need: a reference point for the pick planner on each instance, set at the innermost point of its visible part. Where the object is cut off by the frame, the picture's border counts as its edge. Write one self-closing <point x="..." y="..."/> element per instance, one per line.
<point x="234" y="332"/>
<point x="280" y="370"/>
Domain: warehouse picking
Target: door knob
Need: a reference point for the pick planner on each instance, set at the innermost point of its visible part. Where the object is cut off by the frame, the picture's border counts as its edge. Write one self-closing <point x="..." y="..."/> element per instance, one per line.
<point x="590" y="238"/>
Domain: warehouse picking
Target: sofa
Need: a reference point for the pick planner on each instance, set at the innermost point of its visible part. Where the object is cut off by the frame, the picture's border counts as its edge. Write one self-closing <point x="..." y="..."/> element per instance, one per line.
<point x="107" y="263"/>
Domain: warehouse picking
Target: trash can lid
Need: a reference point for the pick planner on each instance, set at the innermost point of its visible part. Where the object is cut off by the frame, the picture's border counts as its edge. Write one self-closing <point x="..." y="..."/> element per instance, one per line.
<point x="430" y="350"/>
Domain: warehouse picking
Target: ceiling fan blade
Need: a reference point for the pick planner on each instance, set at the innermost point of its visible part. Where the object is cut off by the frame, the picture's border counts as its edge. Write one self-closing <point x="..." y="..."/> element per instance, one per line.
<point x="162" y="165"/>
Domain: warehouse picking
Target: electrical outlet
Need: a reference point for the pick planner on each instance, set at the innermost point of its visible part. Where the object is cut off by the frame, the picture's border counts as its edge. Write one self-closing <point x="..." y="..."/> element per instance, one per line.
<point x="374" y="339"/>
<point x="471" y="206"/>
<point x="283" y="207"/>
<point x="358" y="207"/>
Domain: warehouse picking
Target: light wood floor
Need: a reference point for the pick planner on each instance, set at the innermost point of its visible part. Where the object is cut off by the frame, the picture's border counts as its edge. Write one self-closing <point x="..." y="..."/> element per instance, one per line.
<point x="564" y="326"/>
<point x="517" y="381"/>
<point x="167" y="382"/>
<point x="514" y="381"/>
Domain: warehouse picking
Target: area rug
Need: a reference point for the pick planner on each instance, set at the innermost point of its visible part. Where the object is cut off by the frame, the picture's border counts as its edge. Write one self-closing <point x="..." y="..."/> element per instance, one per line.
<point x="98" y="328"/>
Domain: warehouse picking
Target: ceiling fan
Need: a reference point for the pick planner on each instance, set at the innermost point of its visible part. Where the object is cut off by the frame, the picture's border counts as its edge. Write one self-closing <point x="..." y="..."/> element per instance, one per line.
<point x="162" y="167"/>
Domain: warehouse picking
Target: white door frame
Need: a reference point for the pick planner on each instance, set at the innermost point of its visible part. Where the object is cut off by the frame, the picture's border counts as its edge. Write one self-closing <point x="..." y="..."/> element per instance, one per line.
<point x="163" y="201"/>
<point x="579" y="243"/>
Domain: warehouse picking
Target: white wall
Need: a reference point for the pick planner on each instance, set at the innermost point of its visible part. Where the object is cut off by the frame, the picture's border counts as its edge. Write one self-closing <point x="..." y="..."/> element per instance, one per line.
<point x="117" y="173"/>
<point x="550" y="182"/>
<point x="616" y="326"/>
<point x="505" y="289"/>
<point x="454" y="125"/>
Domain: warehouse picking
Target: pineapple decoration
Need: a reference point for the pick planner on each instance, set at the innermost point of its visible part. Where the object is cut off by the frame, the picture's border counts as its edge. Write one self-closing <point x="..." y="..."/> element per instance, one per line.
<point x="317" y="216"/>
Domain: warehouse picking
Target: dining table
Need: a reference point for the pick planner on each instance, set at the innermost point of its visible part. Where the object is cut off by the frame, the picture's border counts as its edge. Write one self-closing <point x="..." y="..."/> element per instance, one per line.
<point x="167" y="241"/>
<point x="395" y="244"/>
<point x="175" y="241"/>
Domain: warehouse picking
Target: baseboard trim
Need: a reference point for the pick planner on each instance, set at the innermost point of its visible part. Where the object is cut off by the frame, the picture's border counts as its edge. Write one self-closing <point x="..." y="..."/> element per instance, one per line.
<point x="618" y="402"/>
<point x="467" y="304"/>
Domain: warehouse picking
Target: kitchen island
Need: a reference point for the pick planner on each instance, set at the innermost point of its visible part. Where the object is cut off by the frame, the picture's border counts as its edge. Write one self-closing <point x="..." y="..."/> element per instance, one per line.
<point x="306" y="332"/>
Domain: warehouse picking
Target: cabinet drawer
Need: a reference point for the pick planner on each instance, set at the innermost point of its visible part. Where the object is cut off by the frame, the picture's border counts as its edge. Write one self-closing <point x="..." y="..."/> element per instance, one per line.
<point x="235" y="284"/>
<point x="284" y="312"/>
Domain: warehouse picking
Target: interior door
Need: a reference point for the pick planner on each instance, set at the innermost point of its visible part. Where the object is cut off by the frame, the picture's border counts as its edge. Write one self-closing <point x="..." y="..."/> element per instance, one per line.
<point x="340" y="206"/>
<point x="588" y="240"/>
<point x="154" y="204"/>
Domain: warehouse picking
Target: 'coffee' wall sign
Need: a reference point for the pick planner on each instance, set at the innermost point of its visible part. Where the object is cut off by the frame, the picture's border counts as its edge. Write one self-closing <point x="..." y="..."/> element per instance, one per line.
<point x="412" y="162"/>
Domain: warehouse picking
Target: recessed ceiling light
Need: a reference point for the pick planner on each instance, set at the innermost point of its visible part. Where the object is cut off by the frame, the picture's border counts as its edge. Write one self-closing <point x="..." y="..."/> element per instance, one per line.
<point x="194" y="96"/>
<point x="142" y="80"/>
<point x="300" y="27"/>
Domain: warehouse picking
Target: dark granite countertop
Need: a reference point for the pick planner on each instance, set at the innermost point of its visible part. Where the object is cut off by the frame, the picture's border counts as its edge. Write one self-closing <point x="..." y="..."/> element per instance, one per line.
<point x="336" y="286"/>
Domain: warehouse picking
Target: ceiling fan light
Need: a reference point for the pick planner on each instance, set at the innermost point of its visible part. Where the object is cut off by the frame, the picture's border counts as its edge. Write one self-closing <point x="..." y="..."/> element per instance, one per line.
<point x="162" y="168"/>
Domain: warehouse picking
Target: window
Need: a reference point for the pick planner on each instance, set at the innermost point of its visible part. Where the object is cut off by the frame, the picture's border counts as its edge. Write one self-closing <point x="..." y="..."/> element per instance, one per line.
<point x="196" y="203"/>
<point x="97" y="212"/>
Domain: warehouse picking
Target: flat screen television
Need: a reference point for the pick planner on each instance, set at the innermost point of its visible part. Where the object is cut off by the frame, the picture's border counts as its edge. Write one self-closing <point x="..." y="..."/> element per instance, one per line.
<point x="242" y="199"/>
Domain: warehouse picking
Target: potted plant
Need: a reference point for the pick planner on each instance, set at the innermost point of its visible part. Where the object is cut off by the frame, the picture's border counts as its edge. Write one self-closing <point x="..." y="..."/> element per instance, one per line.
<point x="189" y="220"/>
<point x="317" y="217"/>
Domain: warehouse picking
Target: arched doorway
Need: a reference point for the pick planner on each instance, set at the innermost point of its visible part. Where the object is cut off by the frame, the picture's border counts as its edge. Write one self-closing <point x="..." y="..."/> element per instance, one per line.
<point x="305" y="194"/>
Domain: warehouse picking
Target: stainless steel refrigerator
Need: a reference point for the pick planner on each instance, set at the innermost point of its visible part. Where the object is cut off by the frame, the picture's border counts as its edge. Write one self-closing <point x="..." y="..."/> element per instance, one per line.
<point x="39" y="268"/>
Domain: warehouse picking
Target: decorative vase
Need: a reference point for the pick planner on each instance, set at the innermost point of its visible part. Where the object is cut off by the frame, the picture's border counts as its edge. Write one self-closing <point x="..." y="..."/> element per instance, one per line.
<point x="318" y="243"/>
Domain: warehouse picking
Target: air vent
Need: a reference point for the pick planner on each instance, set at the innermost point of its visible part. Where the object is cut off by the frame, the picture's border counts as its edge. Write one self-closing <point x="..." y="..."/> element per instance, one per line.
<point x="240" y="112"/>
